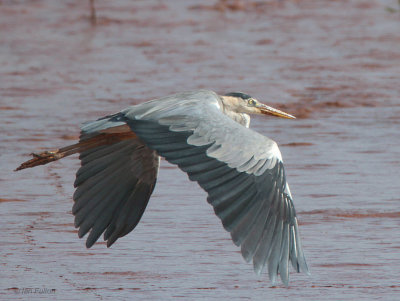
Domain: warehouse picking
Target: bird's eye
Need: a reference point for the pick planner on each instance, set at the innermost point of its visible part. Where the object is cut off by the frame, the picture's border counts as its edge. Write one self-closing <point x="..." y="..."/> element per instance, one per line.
<point x="251" y="102"/>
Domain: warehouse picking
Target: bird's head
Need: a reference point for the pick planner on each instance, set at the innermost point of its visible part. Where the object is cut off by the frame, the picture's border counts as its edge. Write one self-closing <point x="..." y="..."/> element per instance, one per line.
<point x="244" y="103"/>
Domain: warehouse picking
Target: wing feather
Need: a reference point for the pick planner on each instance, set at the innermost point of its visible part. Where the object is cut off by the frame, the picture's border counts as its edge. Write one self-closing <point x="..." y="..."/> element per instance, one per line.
<point x="114" y="185"/>
<point x="255" y="219"/>
<point x="240" y="169"/>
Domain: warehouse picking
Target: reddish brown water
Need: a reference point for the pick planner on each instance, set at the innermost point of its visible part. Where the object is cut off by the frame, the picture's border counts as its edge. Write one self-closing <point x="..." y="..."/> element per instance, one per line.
<point x="334" y="64"/>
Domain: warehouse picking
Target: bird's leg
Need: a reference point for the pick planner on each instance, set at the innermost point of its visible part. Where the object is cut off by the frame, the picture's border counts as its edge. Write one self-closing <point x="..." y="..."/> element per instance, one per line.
<point x="50" y="156"/>
<point x="107" y="137"/>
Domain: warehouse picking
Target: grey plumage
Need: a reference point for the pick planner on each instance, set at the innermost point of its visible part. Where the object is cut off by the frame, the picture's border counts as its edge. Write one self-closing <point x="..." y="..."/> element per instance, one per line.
<point x="207" y="136"/>
<point x="113" y="189"/>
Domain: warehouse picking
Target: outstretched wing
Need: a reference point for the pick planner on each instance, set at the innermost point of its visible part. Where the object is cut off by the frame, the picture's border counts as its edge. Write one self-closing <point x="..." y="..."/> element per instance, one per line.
<point x="114" y="182"/>
<point x="241" y="170"/>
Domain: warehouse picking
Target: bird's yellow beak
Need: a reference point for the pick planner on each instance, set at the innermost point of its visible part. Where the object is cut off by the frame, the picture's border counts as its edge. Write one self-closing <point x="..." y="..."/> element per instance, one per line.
<point x="267" y="110"/>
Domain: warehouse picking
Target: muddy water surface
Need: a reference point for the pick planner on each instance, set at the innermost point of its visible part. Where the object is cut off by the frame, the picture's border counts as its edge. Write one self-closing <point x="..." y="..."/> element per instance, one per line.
<point x="334" y="64"/>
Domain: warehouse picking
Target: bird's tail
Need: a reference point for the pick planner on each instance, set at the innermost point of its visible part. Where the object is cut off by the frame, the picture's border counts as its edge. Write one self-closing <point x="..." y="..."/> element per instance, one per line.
<point x="103" y="137"/>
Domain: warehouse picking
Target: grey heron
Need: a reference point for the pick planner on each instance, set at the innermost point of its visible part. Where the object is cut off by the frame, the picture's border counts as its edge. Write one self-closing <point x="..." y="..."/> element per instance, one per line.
<point x="207" y="136"/>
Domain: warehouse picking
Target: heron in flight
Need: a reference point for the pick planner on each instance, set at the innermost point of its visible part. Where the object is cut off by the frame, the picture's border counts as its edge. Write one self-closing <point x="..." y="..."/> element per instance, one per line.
<point x="208" y="137"/>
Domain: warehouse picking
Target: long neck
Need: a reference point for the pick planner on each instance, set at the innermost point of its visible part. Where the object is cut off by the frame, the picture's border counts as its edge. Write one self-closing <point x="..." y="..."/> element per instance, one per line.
<point x="241" y="118"/>
<point x="228" y="107"/>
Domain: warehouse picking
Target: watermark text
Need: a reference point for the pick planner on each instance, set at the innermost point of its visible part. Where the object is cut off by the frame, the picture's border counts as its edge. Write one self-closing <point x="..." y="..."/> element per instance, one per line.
<point x="34" y="290"/>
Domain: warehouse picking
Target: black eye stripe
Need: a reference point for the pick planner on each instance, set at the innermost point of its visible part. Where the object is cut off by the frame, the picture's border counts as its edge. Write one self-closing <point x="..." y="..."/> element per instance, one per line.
<point x="238" y="94"/>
